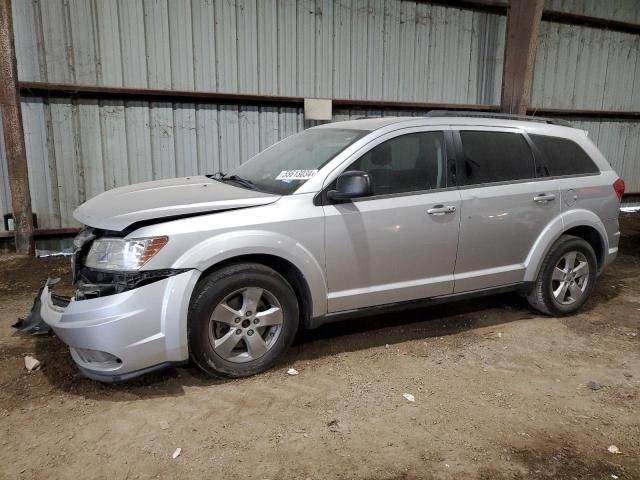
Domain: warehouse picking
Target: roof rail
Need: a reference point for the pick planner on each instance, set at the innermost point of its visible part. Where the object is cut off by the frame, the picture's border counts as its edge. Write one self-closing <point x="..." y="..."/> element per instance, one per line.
<point x="505" y="116"/>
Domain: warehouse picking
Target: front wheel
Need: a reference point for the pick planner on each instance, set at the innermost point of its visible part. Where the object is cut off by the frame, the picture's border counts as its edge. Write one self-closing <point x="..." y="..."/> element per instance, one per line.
<point x="566" y="278"/>
<point x="241" y="319"/>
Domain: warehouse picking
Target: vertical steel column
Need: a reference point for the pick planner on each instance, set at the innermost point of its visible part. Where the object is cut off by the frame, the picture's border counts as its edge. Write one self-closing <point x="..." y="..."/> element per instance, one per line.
<point x="523" y="24"/>
<point x="14" y="135"/>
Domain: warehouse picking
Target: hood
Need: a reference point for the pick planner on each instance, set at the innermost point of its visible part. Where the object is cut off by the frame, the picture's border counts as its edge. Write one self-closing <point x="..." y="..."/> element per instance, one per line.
<point x="121" y="207"/>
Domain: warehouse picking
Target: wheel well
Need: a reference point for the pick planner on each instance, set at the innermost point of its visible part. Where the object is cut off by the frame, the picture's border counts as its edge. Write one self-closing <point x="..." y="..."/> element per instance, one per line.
<point x="288" y="270"/>
<point x="594" y="239"/>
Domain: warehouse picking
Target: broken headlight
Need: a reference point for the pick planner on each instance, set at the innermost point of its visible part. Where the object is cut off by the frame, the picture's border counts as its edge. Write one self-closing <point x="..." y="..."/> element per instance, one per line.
<point x="123" y="255"/>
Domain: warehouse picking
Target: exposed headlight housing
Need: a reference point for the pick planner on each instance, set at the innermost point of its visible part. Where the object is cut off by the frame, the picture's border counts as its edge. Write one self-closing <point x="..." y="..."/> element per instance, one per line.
<point x="118" y="254"/>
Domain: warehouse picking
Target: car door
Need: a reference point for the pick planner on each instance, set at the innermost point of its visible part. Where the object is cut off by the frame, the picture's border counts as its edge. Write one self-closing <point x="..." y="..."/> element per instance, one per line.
<point x="399" y="243"/>
<point x="507" y="201"/>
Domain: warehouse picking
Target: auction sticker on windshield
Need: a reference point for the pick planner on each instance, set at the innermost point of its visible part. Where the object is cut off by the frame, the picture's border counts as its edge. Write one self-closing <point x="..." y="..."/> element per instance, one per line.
<point x="288" y="175"/>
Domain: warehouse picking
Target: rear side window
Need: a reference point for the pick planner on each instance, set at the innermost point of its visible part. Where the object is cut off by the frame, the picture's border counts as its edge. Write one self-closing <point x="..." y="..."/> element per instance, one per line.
<point x="495" y="157"/>
<point x="563" y="157"/>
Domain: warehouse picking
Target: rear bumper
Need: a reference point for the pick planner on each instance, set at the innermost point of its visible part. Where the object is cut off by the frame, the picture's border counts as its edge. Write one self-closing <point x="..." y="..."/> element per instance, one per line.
<point x="118" y="337"/>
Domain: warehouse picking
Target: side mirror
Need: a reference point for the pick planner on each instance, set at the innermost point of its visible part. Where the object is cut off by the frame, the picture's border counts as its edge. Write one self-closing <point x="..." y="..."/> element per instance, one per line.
<point x="352" y="184"/>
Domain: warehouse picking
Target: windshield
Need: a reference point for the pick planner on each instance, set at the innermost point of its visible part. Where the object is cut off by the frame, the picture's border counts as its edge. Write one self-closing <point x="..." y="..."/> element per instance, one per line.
<point x="284" y="167"/>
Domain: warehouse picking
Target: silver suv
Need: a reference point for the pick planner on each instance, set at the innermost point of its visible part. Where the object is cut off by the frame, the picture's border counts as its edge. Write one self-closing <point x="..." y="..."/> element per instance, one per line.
<point x="344" y="219"/>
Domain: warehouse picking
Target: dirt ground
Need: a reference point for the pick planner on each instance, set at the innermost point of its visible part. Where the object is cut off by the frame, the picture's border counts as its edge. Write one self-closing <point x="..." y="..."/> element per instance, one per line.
<point x="500" y="392"/>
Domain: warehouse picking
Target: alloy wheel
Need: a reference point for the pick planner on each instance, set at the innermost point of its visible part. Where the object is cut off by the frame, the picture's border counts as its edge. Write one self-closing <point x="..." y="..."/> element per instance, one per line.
<point x="245" y="325"/>
<point x="570" y="278"/>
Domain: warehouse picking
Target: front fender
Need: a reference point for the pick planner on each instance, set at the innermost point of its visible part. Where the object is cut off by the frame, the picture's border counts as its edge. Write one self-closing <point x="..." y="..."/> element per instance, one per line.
<point x="559" y="225"/>
<point x="259" y="242"/>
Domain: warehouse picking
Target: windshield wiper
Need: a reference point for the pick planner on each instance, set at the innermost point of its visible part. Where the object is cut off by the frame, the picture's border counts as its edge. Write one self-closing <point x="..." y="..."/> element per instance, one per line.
<point x="222" y="177"/>
<point x="242" y="181"/>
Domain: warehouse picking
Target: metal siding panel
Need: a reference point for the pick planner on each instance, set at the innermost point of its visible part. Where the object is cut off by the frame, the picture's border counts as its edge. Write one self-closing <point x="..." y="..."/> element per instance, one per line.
<point x="287" y="41"/>
<point x="90" y="147"/>
<point x="486" y="58"/>
<point x="631" y="172"/>
<point x="359" y="49"/>
<point x="267" y="19"/>
<point x="181" y="45"/>
<point x="247" y="38"/>
<point x="437" y="76"/>
<point x="621" y="10"/>
<point x="110" y="63"/>
<point x="305" y="48"/>
<point x="590" y="76"/>
<point x="134" y="49"/>
<point x="138" y="142"/>
<point x="27" y="27"/>
<point x="226" y="46"/>
<point x="204" y="45"/>
<point x="287" y="122"/>
<point x="324" y="49"/>
<point x="43" y="180"/>
<point x="375" y="50"/>
<point x="621" y="68"/>
<point x="55" y="41"/>
<point x="162" y="140"/>
<point x="208" y="139"/>
<point x="114" y="144"/>
<point x="585" y="68"/>
<point x="342" y="30"/>
<point x="249" y="139"/>
<point x="156" y="25"/>
<point x="407" y="51"/>
<point x="422" y="62"/>
<point x="186" y="156"/>
<point x="83" y="46"/>
<point x="228" y="126"/>
<point x="66" y="159"/>
<point x="268" y="126"/>
<point x="391" y="46"/>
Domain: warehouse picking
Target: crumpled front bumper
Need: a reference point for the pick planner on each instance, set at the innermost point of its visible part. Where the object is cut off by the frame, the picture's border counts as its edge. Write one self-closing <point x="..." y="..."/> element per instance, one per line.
<point x="118" y="337"/>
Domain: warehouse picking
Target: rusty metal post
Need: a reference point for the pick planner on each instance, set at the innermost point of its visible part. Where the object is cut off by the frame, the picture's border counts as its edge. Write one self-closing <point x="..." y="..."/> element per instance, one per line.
<point x="14" y="135"/>
<point x="523" y="24"/>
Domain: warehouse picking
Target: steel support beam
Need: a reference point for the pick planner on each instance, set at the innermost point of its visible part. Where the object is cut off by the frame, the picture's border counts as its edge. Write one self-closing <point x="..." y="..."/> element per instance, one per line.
<point x="14" y="135"/>
<point x="523" y="24"/>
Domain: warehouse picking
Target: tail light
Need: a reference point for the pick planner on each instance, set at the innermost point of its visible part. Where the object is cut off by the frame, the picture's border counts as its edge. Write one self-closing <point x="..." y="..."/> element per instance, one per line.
<point x="618" y="187"/>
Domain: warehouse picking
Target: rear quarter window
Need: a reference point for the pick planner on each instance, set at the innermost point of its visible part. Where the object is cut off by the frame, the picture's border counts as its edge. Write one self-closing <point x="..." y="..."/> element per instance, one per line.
<point x="563" y="156"/>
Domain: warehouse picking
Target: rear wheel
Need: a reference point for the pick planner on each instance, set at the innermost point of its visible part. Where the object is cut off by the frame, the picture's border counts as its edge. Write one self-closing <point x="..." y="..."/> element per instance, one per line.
<point x="566" y="278"/>
<point x="241" y="319"/>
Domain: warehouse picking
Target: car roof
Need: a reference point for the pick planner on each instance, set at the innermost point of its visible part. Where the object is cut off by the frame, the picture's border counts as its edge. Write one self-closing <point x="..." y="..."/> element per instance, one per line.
<point x="371" y="124"/>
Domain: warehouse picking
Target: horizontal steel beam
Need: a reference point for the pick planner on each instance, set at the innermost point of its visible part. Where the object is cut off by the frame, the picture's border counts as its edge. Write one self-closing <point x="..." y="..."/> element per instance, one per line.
<point x="57" y="90"/>
<point x="500" y="8"/>
<point x="45" y="232"/>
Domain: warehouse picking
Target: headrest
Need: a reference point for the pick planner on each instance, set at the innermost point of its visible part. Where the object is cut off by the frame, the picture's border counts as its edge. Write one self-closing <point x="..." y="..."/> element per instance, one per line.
<point x="381" y="154"/>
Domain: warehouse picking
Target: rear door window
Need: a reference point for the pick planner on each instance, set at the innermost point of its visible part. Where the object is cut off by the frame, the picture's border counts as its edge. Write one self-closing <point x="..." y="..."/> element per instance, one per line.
<point x="490" y="157"/>
<point x="563" y="156"/>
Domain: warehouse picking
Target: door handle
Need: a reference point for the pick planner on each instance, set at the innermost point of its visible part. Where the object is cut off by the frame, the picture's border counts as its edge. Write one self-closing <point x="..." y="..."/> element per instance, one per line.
<point x="544" y="198"/>
<point x="441" y="210"/>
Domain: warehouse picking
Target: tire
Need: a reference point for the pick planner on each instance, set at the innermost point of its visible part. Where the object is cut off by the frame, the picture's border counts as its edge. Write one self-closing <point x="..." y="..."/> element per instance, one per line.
<point x="563" y="286"/>
<point x="242" y="318"/>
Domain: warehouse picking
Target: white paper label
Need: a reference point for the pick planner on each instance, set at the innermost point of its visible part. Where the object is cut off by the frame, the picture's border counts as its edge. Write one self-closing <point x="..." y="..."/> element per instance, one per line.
<point x="288" y="175"/>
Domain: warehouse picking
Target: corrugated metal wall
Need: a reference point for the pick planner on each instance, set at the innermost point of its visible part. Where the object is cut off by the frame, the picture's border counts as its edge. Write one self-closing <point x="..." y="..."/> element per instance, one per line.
<point x="371" y="49"/>
<point x="376" y="49"/>
<point x="356" y="49"/>
<point x="586" y="68"/>
<point x="620" y="10"/>
<point x="619" y="141"/>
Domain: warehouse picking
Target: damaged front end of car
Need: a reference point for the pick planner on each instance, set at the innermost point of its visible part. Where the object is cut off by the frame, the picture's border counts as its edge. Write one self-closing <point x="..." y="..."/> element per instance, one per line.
<point x="116" y="319"/>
